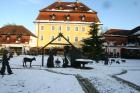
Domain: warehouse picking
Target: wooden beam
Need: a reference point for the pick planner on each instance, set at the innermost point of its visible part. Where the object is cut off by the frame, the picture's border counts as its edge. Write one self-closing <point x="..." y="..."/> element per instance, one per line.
<point x="59" y="44"/>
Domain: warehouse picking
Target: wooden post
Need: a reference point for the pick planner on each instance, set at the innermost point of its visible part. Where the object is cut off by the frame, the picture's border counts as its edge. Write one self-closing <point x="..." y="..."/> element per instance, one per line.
<point x="42" y="57"/>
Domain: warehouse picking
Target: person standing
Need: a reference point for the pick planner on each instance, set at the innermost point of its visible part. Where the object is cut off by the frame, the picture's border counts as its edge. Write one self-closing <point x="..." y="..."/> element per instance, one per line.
<point x="7" y="54"/>
<point x="50" y="62"/>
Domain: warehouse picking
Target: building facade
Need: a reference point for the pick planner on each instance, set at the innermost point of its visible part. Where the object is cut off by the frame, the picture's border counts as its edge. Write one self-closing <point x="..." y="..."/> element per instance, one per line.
<point x="17" y="37"/>
<point x="72" y="19"/>
<point x="123" y="43"/>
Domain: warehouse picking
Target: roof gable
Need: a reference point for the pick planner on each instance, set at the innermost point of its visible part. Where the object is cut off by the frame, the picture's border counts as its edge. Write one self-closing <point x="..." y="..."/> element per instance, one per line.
<point x="135" y="31"/>
<point x="15" y="30"/>
<point x="58" y="11"/>
<point x="67" y="6"/>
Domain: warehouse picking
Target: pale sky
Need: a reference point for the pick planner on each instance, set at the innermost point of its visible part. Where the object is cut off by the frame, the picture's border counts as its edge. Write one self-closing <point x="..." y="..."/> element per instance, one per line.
<point x="121" y="14"/>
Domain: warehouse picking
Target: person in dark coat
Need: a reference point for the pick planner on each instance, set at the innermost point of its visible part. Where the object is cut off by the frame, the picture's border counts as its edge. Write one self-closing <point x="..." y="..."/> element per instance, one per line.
<point x="65" y="62"/>
<point x="7" y="54"/>
<point x="50" y="60"/>
<point x="106" y="60"/>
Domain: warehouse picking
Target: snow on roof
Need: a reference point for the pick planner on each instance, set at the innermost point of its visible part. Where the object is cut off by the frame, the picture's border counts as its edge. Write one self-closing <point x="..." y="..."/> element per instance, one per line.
<point x="90" y="11"/>
<point x="138" y="48"/>
<point x="137" y="33"/>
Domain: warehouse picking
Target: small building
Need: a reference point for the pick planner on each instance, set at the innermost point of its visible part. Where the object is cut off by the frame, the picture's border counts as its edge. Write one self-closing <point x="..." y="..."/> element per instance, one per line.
<point x="119" y="40"/>
<point x="17" y="37"/>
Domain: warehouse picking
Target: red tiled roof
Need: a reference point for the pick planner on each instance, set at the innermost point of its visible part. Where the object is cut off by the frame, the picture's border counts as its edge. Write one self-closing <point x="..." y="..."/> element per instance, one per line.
<point x="15" y="30"/>
<point x="67" y="8"/>
<point x="117" y="32"/>
<point x="59" y="16"/>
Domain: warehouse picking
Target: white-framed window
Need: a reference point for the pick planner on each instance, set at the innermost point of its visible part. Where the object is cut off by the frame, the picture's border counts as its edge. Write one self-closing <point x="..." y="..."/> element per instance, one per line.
<point x="42" y="28"/>
<point x="52" y="28"/>
<point x="76" y="39"/>
<point x="59" y="39"/>
<point x="68" y="28"/>
<point x="68" y="38"/>
<point x="60" y="28"/>
<point x="52" y="37"/>
<point x="41" y="37"/>
<point x="83" y="28"/>
<point x="76" y="28"/>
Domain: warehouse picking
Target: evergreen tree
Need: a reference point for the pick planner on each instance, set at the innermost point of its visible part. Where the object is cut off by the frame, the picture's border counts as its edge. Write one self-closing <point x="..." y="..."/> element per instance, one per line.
<point x="93" y="46"/>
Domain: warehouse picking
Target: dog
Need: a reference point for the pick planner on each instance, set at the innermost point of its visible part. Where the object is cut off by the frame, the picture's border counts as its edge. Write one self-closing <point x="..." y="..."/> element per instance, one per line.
<point x="117" y="62"/>
<point x="26" y="59"/>
<point x="123" y="60"/>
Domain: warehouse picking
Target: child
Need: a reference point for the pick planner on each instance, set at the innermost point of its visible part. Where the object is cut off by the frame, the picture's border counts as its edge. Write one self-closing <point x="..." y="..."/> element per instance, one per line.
<point x="57" y="63"/>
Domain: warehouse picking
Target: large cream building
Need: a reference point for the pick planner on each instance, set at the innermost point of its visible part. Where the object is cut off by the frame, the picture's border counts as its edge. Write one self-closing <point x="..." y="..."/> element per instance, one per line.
<point x="72" y="19"/>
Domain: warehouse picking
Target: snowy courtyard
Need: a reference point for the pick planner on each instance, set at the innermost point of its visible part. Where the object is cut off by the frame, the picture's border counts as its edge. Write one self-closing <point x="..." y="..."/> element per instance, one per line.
<point x="39" y="79"/>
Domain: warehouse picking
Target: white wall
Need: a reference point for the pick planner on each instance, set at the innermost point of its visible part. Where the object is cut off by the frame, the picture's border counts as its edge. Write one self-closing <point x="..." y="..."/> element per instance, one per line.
<point x="33" y="41"/>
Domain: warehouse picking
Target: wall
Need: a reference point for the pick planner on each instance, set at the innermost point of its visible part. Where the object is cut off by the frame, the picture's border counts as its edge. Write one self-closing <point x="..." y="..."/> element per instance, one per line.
<point x="47" y="32"/>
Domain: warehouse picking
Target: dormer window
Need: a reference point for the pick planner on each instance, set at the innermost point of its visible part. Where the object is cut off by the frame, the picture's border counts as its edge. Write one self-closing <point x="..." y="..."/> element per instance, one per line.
<point x="53" y="16"/>
<point x="8" y="38"/>
<point x="59" y="7"/>
<point x="76" y="8"/>
<point x="82" y="17"/>
<point x="19" y="37"/>
<point x="67" y="17"/>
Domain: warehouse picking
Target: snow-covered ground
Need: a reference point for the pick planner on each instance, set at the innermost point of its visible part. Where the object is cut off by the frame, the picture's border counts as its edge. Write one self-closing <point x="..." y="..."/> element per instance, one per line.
<point x="38" y="80"/>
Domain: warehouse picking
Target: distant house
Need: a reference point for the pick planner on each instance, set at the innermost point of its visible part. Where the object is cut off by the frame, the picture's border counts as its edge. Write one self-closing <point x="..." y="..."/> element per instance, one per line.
<point x="17" y="37"/>
<point x="119" y="40"/>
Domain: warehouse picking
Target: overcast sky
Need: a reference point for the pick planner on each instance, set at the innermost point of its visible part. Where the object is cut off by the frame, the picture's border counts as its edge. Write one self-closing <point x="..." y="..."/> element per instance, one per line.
<point x="121" y="14"/>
